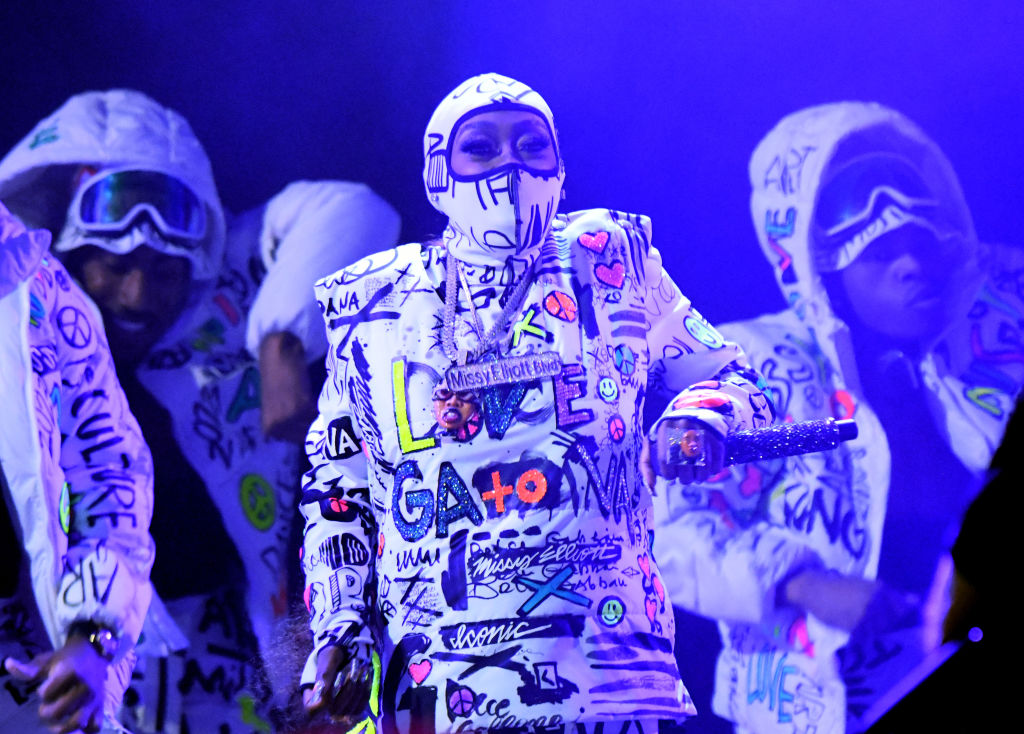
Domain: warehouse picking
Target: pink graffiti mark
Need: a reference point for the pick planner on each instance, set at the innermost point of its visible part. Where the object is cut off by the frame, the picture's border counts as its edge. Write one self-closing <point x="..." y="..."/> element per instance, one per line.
<point x="658" y="588"/>
<point x="718" y="502"/>
<point x="800" y="639"/>
<point x="645" y="565"/>
<point x="785" y="261"/>
<point x="722" y="475"/>
<point x="229" y="310"/>
<point x="751" y="482"/>
<point x="843" y="405"/>
<point x="1000" y="357"/>
<point x="419" y="671"/>
<point x="651" y="607"/>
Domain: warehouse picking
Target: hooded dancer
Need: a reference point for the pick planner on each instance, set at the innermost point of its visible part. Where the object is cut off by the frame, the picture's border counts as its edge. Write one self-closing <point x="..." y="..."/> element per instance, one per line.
<point x="503" y="573"/>
<point x="211" y="328"/>
<point x="821" y="567"/>
<point x="76" y="497"/>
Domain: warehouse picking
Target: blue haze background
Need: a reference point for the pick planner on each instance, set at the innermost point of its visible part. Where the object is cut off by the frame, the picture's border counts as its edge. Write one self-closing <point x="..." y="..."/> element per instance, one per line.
<point x="659" y="104"/>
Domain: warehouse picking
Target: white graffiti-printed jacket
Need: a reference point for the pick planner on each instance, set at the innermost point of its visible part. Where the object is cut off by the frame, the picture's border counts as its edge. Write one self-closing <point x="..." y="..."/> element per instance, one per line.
<point x="733" y="540"/>
<point x="502" y="564"/>
<point x="78" y="473"/>
<point x="204" y="370"/>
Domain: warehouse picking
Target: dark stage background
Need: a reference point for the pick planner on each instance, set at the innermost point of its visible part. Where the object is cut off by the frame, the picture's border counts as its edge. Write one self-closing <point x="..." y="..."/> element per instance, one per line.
<point x="659" y="104"/>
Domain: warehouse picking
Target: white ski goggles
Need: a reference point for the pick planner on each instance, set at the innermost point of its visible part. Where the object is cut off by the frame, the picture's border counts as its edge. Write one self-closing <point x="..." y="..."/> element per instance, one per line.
<point x="110" y="201"/>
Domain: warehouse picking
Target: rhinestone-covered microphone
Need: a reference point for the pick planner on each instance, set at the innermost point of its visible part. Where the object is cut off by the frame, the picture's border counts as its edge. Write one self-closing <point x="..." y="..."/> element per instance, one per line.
<point x="787" y="439"/>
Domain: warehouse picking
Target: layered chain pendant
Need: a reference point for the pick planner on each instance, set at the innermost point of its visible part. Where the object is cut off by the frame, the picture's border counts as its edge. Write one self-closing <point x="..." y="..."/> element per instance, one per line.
<point x="488" y="366"/>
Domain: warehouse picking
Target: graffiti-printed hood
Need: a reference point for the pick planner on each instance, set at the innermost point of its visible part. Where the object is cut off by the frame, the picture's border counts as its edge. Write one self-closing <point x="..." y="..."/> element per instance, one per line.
<point x="788" y="168"/>
<point x="115" y="128"/>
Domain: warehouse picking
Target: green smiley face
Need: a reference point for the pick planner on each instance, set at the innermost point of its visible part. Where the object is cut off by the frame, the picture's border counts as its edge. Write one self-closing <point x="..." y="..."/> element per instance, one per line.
<point x="612" y="610"/>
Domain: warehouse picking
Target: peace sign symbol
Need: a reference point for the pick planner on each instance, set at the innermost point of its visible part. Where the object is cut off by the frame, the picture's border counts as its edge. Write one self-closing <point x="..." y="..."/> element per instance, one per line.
<point x="617" y="428"/>
<point x="461" y="700"/>
<point x="561" y="306"/>
<point x="258" y="501"/>
<point x="625" y="360"/>
<point x="74" y="327"/>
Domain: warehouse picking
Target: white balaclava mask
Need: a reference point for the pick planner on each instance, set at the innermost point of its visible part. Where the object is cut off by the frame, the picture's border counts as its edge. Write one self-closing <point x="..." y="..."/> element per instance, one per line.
<point x="501" y="190"/>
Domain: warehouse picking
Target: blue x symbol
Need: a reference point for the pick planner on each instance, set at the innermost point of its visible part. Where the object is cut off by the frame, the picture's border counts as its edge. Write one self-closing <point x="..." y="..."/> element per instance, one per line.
<point x="543" y="591"/>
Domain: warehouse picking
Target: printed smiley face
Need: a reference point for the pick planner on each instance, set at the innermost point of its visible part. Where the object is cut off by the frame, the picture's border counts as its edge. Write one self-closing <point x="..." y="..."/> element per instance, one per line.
<point x="608" y="390"/>
<point x="612" y="610"/>
<point x="702" y="331"/>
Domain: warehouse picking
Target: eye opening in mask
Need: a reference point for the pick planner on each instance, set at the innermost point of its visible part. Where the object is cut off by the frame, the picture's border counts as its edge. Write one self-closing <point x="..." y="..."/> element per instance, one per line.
<point x="490" y="141"/>
<point x="110" y="201"/>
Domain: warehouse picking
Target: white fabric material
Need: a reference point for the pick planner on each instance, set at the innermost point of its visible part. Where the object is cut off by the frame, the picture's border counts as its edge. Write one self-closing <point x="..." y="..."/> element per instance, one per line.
<point x="386" y="506"/>
<point x="203" y="373"/>
<point x="522" y="536"/>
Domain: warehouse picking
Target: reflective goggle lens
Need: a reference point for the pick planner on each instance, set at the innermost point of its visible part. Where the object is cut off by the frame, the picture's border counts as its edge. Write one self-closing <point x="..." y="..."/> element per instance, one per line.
<point x="111" y="201"/>
<point x="866" y="199"/>
<point x="854" y="195"/>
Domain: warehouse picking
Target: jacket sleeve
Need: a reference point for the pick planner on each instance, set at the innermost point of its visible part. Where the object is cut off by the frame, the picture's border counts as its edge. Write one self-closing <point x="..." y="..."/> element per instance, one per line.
<point x="339" y="539"/>
<point x="309" y="230"/>
<point x="108" y="476"/>
<point x="710" y="377"/>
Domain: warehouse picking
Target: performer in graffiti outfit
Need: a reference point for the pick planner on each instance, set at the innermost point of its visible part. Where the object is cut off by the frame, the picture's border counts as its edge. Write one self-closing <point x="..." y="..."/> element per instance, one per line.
<point x="505" y="576"/>
<point x="211" y="330"/>
<point x="821" y="567"/>
<point x="76" y="496"/>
